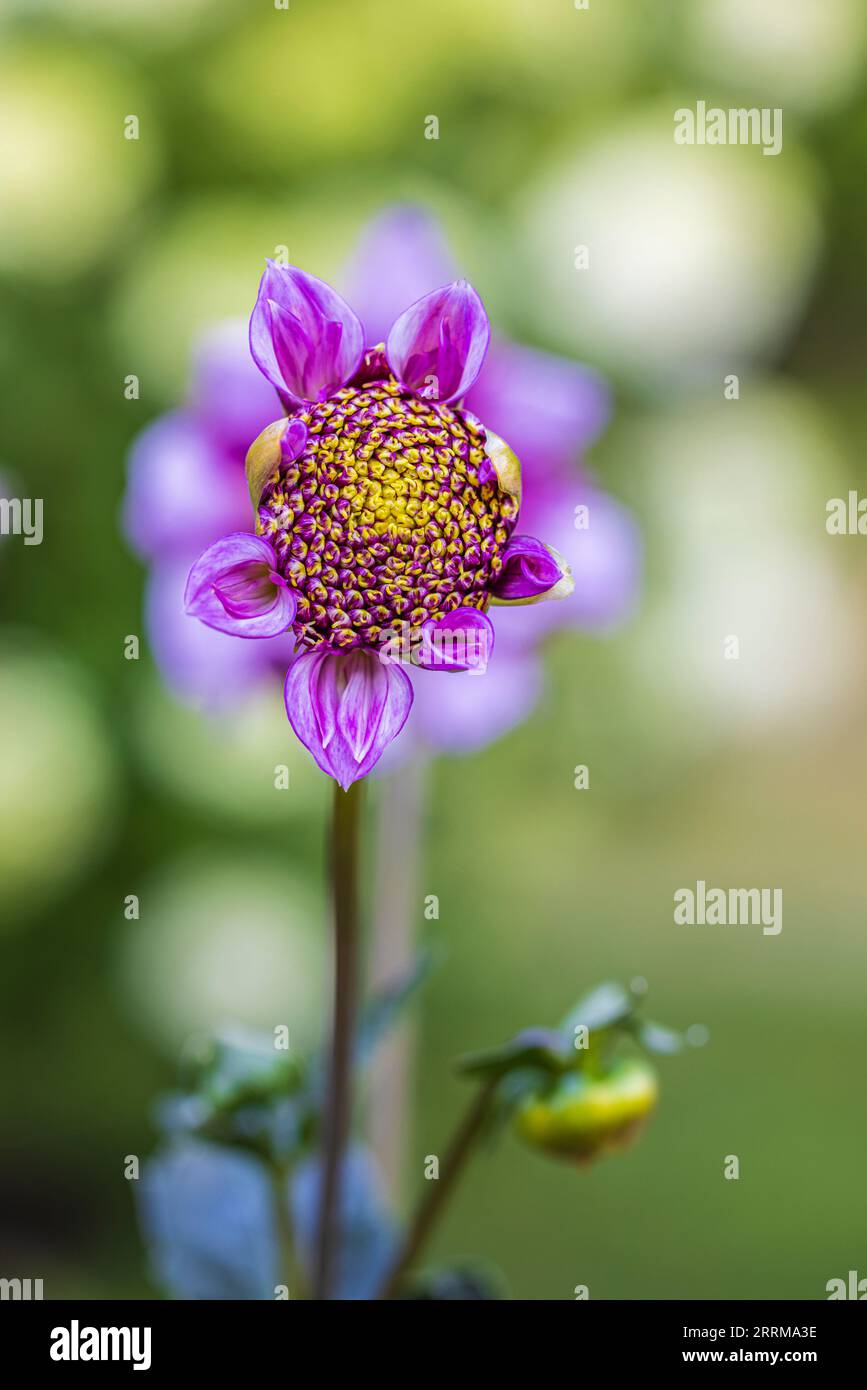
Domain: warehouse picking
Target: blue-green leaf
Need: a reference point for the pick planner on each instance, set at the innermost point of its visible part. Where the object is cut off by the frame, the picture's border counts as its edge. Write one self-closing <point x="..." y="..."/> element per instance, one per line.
<point x="656" y="1038"/>
<point x="386" y="1007"/>
<point x="207" y="1220"/>
<point x="367" y="1229"/>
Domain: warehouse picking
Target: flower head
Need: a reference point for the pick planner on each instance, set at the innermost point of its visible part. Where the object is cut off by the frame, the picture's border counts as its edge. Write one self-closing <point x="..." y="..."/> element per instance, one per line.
<point x="186" y="487"/>
<point x="385" y="513"/>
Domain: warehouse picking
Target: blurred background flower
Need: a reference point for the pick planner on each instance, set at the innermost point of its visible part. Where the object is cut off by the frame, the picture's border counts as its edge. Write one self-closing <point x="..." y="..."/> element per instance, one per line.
<point x="810" y="54"/>
<point x="743" y="485"/>
<point x="58" y="789"/>
<point x="62" y="112"/>
<point x="225" y="941"/>
<point x="695" y="268"/>
<point x="117" y="258"/>
<point x="138" y="20"/>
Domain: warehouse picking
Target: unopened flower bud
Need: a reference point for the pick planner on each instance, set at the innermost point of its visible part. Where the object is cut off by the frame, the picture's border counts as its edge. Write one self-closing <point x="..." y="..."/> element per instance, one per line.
<point x="586" y="1114"/>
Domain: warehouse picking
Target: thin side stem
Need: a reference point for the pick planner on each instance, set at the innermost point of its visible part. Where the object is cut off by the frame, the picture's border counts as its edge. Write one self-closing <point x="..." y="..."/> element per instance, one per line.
<point x="338" y="1099"/>
<point x="285" y="1236"/>
<point x="440" y="1189"/>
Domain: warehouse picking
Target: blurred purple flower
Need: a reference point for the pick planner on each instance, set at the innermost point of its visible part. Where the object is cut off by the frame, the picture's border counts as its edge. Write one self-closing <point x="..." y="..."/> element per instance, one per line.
<point x="186" y="482"/>
<point x="186" y="487"/>
<point x="550" y="410"/>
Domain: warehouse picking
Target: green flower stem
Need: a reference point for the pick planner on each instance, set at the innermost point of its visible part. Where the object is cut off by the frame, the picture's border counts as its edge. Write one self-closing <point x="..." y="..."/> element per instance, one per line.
<point x="338" y="1100"/>
<point x="439" y="1190"/>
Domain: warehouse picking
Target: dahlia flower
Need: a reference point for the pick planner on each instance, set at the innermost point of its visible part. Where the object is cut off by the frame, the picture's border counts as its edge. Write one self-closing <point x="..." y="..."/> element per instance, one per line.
<point x="385" y="514"/>
<point x="186" y="487"/>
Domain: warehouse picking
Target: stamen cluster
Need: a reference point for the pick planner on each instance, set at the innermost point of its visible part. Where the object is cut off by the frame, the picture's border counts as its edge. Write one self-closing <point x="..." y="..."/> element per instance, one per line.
<point x="391" y="515"/>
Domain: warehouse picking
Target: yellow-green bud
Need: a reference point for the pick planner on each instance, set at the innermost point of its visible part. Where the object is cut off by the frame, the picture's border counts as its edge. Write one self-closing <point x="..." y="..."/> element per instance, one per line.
<point x="584" y="1114"/>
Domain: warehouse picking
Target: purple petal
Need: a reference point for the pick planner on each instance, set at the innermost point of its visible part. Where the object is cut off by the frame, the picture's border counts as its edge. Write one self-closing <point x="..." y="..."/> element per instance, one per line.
<point x="461" y="641"/>
<point x="346" y="707"/>
<point x="550" y="410"/>
<point x="605" y="559"/>
<point x="529" y="570"/>
<point x="324" y="699"/>
<point x="201" y="666"/>
<point x="182" y="489"/>
<point x="438" y="345"/>
<point x="402" y="256"/>
<point x="359" y="713"/>
<point x="294" y="441"/>
<point x="236" y="588"/>
<point x="304" y="338"/>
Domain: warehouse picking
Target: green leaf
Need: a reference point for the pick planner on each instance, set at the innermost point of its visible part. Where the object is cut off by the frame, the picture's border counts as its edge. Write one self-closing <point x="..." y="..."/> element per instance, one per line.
<point x="544" y="1048"/>
<point x="456" y="1283"/>
<point x="607" y="1006"/>
<point x="512" y="1089"/>
<point x="239" y="1069"/>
